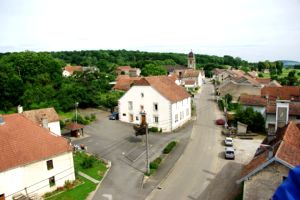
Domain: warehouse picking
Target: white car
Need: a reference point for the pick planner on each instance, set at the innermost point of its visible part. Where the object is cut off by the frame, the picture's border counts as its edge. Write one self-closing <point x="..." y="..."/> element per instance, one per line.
<point x="229" y="153"/>
<point x="228" y="141"/>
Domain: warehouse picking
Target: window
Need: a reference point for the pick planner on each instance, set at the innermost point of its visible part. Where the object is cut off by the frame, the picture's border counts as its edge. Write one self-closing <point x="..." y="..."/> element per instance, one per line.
<point x="137" y="118"/>
<point x="124" y="114"/>
<point x="187" y="112"/>
<point x="52" y="181"/>
<point x="142" y="95"/>
<point x="181" y="115"/>
<point x="49" y="164"/>
<point x="155" y="106"/>
<point x="142" y="107"/>
<point x="156" y="119"/>
<point x="129" y="105"/>
<point x="176" y="118"/>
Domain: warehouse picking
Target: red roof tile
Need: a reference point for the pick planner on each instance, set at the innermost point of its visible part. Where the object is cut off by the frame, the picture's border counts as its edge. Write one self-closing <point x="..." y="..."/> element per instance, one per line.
<point x="264" y="81"/>
<point x="294" y="108"/>
<point x="166" y="87"/>
<point x="283" y="93"/>
<point x="124" y="82"/>
<point x="37" y="115"/>
<point x="23" y="142"/>
<point x="72" y="69"/>
<point x="189" y="82"/>
<point x="190" y="73"/>
<point x="252" y="100"/>
<point x="74" y="126"/>
<point x="124" y="68"/>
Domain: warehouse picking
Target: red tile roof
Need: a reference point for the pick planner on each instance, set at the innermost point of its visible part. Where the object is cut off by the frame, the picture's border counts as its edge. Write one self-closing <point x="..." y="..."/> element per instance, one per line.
<point x="37" y="115"/>
<point x="190" y="73"/>
<point x="124" y="68"/>
<point x="24" y="142"/>
<point x="286" y="147"/>
<point x="124" y="82"/>
<point x="294" y="108"/>
<point x="252" y="100"/>
<point x="74" y="126"/>
<point x="72" y="69"/>
<point x="189" y="82"/>
<point x="263" y="81"/>
<point x="283" y="93"/>
<point x="166" y="87"/>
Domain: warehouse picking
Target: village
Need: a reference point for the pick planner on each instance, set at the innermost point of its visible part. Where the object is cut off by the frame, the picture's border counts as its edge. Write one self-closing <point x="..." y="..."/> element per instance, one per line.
<point x="233" y="128"/>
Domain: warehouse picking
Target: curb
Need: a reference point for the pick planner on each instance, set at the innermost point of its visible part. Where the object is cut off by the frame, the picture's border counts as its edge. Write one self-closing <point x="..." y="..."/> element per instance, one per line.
<point x="92" y="194"/>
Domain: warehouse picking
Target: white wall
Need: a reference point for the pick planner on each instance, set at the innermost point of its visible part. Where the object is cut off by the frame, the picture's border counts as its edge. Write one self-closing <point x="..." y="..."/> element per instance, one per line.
<point x="66" y="73"/>
<point x="55" y="127"/>
<point x="151" y="96"/>
<point x="166" y="111"/>
<point x="35" y="176"/>
<point x="183" y="107"/>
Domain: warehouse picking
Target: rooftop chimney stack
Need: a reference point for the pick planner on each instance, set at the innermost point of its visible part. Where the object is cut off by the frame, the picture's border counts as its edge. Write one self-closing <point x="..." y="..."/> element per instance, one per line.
<point x="20" y="109"/>
<point x="45" y="122"/>
<point x="282" y="113"/>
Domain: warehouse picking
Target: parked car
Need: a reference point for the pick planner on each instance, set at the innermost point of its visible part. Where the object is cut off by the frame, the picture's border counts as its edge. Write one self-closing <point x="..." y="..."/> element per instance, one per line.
<point x="229" y="153"/>
<point x="220" y="121"/>
<point x="228" y="141"/>
<point x="114" y="116"/>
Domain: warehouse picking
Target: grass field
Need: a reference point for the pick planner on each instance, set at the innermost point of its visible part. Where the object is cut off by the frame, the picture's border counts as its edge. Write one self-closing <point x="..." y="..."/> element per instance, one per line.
<point x="285" y="72"/>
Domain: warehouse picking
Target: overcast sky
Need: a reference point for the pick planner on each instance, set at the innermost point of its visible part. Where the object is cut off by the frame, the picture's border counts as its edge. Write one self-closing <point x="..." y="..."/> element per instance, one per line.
<point x="251" y="29"/>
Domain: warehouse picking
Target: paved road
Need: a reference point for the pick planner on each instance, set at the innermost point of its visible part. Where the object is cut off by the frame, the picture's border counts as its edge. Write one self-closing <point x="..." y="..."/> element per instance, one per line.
<point x="114" y="141"/>
<point x="198" y="164"/>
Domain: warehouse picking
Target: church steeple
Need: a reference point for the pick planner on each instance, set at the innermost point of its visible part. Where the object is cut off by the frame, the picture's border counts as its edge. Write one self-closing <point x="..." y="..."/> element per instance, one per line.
<point x="191" y="60"/>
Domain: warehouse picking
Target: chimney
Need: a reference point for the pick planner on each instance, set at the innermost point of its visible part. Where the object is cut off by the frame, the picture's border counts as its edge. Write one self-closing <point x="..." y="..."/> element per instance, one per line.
<point x="20" y="109"/>
<point x="1" y="120"/>
<point x="282" y="113"/>
<point x="45" y="121"/>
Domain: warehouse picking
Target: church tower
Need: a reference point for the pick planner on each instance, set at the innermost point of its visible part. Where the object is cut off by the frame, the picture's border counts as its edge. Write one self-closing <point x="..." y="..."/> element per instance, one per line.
<point x="191" y="60"/>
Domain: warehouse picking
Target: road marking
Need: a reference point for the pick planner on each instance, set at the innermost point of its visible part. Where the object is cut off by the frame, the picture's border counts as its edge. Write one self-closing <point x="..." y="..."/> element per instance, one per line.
<point x="108" y="196"/>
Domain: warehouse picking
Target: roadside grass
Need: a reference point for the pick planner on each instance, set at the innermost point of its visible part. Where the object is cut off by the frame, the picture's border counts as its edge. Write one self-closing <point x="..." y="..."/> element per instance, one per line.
<point x="96" y="171"/>
<point x="80" y="192"/>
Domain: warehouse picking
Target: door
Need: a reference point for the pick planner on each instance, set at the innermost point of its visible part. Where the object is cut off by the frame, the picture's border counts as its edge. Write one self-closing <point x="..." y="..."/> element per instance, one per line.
<point x="131" y="118"/>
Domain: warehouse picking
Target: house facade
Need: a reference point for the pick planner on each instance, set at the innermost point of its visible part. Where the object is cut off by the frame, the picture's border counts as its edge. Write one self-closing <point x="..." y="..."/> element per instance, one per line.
<point x="128" y="70"/>
<point x="167" y="105"/>
<point x="33" y="160"/>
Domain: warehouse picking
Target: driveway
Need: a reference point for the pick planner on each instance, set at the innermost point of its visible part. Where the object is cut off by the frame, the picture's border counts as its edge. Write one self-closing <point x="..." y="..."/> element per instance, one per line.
<point x="115" y="141"/>
<point x="202" y="172"/>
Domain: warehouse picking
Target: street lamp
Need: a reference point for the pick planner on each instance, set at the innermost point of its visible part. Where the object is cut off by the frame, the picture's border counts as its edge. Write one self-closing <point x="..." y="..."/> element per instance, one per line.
<point x="143" y="114"/>
<point x="76" y="106"/>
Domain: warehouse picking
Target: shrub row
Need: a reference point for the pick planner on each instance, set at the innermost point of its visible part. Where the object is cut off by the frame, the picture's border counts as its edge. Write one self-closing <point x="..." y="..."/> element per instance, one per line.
<point x="169" y="147"/>
<point x="155" y="163"/>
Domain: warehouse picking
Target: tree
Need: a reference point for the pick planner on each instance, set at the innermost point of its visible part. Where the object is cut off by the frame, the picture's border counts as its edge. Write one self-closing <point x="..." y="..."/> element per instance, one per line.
<point x="110" y="99"/>
<point x="292" y="78"/>
<point x="153" y="70"/>
<point x="253" y="119"/>
<point x="279" y="66"/>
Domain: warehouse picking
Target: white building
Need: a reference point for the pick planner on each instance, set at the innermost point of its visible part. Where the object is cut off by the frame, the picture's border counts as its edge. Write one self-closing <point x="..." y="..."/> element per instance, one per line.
<point x="33" y="160"/>
<point x="167" y="105"/>
<point x="45" y="117"/>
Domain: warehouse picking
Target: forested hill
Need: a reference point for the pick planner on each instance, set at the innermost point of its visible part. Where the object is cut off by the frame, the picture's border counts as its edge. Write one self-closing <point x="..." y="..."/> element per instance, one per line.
<point x="34" y="79"/>
<point x="105" y="59"/>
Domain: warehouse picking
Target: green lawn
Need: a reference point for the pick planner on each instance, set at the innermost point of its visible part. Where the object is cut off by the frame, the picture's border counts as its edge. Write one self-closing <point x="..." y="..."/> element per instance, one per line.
<point x="284" y="73"/>
<point x="79" y="193"/>
<point x="97" y="171"/>
<point x="66" y="115"/>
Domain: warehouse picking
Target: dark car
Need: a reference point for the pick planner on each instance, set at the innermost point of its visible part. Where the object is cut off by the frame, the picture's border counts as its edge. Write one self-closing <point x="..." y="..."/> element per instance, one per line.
<point x="114" y="116"/>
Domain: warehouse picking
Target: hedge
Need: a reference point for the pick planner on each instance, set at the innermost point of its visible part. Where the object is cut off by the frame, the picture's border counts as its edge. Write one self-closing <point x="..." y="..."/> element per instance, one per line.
<point x="169" y="147"/>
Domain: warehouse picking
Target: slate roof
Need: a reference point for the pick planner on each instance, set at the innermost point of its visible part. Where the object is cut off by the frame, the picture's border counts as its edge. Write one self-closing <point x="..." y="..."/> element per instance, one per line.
<point x="24" y="142"/>
<point x="165" y="86"/>
<point x="37" y="115"/>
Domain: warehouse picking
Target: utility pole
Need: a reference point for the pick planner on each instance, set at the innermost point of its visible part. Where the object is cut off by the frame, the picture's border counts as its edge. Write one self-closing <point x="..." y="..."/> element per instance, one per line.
<point x="76" y="105"/>
<point x="144" y="123"/>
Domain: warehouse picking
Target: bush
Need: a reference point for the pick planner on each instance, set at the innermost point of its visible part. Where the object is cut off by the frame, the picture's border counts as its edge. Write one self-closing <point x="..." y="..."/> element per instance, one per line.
<point x="169" y="147"/>
<point x="155" y="163"/>
<point x="93" y="117"/>
<point x="87" y="162"/>
<point x="153" y="129"/>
